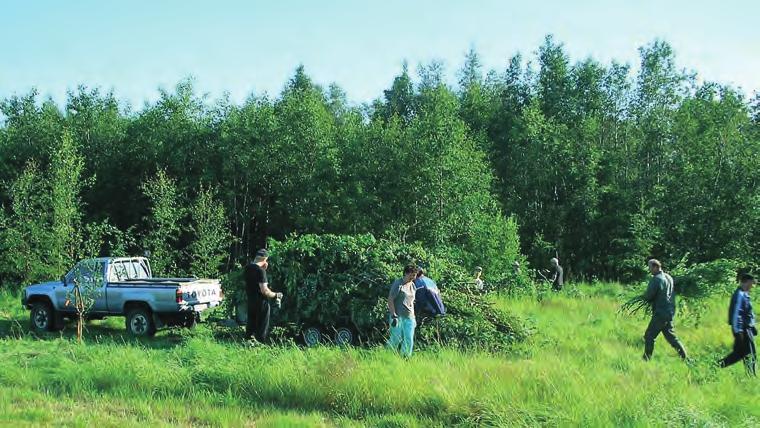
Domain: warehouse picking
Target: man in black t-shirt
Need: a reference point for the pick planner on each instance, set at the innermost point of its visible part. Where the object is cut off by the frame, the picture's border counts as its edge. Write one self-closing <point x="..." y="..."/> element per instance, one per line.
<point x="259" y="294"/>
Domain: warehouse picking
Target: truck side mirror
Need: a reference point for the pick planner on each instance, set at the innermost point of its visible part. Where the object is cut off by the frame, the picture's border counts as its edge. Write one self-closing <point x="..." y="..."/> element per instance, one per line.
<point x="63" y="280"/>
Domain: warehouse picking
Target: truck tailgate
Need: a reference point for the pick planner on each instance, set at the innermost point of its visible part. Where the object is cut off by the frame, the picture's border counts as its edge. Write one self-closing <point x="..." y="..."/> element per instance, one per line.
<point x="202" y="293"/>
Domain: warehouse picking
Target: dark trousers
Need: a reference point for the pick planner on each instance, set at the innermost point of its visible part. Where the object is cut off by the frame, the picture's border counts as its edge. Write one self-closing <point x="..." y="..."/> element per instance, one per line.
<point x="258" y="320"/>
<point x="744" y="348"/>
<point x="656" y="326"/>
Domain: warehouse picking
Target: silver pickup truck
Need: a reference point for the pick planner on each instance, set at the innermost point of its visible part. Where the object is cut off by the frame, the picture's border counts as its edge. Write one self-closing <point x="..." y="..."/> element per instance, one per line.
<point x="122" y="286"/>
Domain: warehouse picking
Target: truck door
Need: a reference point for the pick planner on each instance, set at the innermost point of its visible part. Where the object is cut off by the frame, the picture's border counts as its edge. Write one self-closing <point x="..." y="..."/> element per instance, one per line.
<point x="90" y="275"/>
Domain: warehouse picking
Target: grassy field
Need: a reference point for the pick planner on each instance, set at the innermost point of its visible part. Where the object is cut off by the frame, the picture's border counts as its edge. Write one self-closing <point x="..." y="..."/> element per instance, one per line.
<point x="581" y="367"/>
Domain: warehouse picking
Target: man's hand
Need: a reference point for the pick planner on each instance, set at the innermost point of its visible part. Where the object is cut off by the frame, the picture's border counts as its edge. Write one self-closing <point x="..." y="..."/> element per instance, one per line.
<point x="278" y="300"/>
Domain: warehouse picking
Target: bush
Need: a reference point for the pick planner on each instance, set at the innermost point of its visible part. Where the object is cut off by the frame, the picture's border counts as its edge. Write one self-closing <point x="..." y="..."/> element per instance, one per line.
<point x="704" y="280"/>
<point x="335" y="281"/>
<point x="697" y="283"/>
<point x="472" y="322"/>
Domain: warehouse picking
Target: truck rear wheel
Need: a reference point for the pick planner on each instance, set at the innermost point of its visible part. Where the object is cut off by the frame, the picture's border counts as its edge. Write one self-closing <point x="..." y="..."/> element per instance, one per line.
<point x="139" y="322"/>
<point x="42" y="317"/>
<point x="190" y="321"/>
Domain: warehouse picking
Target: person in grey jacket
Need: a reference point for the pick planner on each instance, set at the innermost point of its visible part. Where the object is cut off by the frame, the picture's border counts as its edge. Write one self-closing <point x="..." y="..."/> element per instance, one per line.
<point x="741" y="317"/>
<point x="661" y="295"/>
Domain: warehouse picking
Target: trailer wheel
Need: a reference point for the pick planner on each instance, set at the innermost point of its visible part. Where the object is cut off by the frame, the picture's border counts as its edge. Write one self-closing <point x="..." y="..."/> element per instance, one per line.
<point x="312" y="336"/>
<point x="140" y="322"/>
<point x="344" y="336"/>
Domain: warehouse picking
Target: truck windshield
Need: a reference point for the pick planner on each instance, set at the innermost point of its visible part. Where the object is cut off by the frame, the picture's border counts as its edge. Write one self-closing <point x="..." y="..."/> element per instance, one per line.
<point x="124" y="270"/>
<point x="88" y="271"/>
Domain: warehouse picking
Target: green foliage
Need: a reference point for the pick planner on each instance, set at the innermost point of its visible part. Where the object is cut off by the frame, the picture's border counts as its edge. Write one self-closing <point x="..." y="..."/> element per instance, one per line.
<point x="596" y="164"/>
<point x="86" y="279"/>
<point x="209" y="227"/>
<point x="331" y="280"/>
<point x="104" y="239"/>
<point x="25" y="238"/>
<point x="637" y="246"/>
<point x="66" y="167"/>
<point x="338" y="280"/>
<point x="472" y="322"/>
<point x="696" y="284"/>
<point x="41" y="237"/>
<point x="233" y="286"/>
<point x="164" y="223"/>
<point x="636" y="306"/>
<point x="705" y="280"/>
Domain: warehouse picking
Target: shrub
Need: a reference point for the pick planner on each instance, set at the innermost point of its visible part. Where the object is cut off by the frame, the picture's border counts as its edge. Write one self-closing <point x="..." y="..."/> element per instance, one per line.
<point x="697" y="283"/>
<point x="343" y="281"/>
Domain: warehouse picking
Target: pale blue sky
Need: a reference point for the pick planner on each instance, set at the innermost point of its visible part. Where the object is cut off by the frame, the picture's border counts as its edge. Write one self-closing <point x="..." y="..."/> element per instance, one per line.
<point x="136" y="46"/>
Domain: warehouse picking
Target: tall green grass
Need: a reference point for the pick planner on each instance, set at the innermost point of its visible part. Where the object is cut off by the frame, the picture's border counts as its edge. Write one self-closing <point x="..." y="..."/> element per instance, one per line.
<point x="582" y="367"/>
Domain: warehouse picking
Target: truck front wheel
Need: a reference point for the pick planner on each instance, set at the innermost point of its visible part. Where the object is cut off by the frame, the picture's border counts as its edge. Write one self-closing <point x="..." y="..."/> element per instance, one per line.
<point x="42" y="317"/>
<point x="140" y="322"/>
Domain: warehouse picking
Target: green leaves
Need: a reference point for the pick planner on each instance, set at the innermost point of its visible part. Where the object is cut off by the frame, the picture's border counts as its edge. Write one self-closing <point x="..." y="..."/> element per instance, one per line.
<point x="343" y="281"/>
<point x="42" y="235"/>
<point x="212" y="237"/>
<point x="596" y="165"/>
<point x="166" y="213"/>
<point x="66" y="184"/>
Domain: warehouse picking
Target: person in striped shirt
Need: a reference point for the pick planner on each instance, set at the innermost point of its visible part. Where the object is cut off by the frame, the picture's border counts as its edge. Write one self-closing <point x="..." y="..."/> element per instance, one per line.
<point x="741" y="317"/>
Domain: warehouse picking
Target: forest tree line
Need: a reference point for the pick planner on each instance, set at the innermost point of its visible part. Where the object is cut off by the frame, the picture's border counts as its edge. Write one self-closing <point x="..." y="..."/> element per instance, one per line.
<point x="591" y="162"/>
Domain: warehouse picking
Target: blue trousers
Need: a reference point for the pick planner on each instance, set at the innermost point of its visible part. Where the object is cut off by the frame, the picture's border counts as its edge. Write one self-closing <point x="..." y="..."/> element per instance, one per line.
<point x="403" y="334"/>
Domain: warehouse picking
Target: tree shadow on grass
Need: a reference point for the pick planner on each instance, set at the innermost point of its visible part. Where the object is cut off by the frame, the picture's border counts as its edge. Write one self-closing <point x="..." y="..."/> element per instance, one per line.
<point x="13" y="328"/>
<point x="97" y="331"/>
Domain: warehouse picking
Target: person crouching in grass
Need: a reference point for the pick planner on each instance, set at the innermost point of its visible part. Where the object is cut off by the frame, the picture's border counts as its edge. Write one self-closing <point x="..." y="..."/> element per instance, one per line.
<point x="401" y="308"/>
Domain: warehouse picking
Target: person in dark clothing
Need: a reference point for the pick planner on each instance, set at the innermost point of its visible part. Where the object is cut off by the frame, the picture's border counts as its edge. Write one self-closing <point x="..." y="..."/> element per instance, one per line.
<point x="741" y="317"/>
<point x="259" y="295"/>
<point x="661" y="295"/>
<point x="559" y="275"/>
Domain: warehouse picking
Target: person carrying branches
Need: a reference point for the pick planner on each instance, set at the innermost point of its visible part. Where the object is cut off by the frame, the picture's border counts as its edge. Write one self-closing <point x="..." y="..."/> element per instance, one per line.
<point x="660" y="295"/>
<point x="741" y="317"/>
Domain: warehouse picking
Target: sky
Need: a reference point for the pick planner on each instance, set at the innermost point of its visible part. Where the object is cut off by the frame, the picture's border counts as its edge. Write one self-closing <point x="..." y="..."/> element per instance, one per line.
<point x="136" y="47"/>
